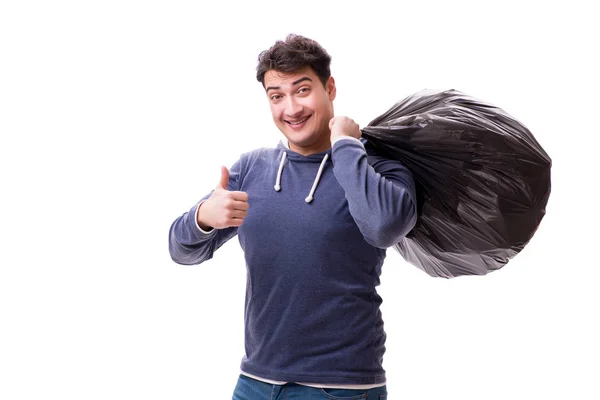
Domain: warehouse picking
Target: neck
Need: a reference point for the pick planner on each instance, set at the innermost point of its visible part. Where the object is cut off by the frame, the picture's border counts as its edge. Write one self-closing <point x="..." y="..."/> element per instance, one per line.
<point x="308" y="150"/>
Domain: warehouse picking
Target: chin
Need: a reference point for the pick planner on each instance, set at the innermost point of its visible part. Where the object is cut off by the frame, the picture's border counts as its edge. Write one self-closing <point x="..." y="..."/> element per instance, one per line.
<point x="305" y="142"/>
<point x="300" y="142"/>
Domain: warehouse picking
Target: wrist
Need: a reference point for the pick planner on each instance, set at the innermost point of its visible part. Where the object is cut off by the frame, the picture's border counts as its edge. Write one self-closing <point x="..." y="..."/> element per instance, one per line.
<point x="204" y="228"/>
<point x="337" y="138"/>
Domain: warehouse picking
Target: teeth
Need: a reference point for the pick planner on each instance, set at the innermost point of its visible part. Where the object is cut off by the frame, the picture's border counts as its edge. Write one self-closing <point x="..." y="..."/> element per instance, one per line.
<point x="299" y="122"/>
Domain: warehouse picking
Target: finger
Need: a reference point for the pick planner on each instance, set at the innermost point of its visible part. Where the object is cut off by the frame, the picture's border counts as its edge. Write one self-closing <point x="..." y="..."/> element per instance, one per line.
<point x="236" y="222"/>
<point x="240" y="196"/>
<point x="241" y="214"/>
<point x="231" y="212"/>
<point x="241" y="205"/>
<point x="224" y="178"/>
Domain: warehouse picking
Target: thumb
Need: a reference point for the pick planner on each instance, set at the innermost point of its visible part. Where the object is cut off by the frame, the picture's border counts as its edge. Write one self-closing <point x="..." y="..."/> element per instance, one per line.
<point x="224" y="178"/>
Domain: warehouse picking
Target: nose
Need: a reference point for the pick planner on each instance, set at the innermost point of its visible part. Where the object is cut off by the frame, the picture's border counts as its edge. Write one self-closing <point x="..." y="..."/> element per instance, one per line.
<point x="292" y="108"/>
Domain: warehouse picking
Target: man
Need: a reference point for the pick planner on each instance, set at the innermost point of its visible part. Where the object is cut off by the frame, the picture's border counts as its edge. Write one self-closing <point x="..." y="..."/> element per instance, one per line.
<point x="314" y="217"/>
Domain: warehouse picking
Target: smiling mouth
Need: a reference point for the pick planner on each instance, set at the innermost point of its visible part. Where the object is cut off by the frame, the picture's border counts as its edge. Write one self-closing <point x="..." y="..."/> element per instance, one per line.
<point x="300" y="122"/>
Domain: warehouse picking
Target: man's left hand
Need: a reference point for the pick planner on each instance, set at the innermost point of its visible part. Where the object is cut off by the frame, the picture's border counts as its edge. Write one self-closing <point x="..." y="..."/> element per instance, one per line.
<point x="343" y="126"/>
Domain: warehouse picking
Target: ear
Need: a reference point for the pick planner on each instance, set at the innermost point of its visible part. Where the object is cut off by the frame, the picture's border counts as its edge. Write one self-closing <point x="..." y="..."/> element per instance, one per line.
<point x="331" y="89"/>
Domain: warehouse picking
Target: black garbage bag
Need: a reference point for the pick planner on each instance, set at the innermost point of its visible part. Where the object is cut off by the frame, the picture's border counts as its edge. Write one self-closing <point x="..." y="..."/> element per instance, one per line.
<point x="483" y="181"/>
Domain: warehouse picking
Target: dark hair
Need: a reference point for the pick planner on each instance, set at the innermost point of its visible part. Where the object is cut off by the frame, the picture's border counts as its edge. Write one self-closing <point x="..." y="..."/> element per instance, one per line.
<point x="293" y="54"/>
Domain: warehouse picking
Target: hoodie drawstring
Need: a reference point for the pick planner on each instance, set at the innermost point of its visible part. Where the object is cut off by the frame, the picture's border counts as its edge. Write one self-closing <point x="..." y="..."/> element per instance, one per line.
<point x="310" y="197"/>
<point x="278" y="181"/>
<point x="314" y="186"/>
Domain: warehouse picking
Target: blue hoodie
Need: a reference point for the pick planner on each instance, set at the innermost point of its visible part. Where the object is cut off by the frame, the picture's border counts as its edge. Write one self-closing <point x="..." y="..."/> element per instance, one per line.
<point x="313" y="261"/>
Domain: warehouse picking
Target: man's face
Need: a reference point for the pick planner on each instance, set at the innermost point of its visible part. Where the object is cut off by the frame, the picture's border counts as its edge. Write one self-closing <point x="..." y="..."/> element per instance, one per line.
<point x="301" y="108"/>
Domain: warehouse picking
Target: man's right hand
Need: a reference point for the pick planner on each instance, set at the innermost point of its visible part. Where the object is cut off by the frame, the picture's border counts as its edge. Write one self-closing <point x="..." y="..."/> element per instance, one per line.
<point x="223" y="209"/>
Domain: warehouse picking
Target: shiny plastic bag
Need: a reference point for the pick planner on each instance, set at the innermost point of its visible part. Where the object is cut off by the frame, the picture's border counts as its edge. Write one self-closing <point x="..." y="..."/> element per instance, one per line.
<point x="483" y="181"/>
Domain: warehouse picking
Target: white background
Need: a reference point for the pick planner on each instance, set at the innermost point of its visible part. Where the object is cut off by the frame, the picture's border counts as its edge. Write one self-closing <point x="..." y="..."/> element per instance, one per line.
<point x="115" y="117"/>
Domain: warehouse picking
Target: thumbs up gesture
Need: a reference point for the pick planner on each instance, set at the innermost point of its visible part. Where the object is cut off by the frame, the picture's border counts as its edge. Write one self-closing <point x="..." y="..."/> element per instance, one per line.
<point x="224" y="208"/>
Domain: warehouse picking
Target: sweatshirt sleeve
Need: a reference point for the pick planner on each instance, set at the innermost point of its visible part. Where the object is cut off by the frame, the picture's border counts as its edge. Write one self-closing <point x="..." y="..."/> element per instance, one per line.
<point x="380" y="192"/>
<point x="190" y="245"/>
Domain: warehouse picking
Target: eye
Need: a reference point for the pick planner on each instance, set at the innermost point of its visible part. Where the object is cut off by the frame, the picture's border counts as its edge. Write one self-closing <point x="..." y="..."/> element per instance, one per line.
<point x="304" y="89"/>
<point x="275" y="97"/>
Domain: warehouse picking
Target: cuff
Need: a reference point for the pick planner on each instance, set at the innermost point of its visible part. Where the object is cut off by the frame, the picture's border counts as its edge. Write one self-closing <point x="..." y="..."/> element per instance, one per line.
<point x="340" y="138"/>
<point x="196" y="220"/>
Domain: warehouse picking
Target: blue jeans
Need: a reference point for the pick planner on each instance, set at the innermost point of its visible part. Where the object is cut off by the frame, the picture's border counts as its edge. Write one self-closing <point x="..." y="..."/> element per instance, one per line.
<point x="251" y="389"/>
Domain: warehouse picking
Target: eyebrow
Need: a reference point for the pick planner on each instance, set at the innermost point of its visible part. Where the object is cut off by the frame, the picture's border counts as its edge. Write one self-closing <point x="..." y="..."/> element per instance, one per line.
<point x="305" y="78"/>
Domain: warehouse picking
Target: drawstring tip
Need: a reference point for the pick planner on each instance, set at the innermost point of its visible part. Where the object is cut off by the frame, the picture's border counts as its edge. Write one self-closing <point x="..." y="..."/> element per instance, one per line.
<point x="277" y="187"/>
<point x="308" y="199"/>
